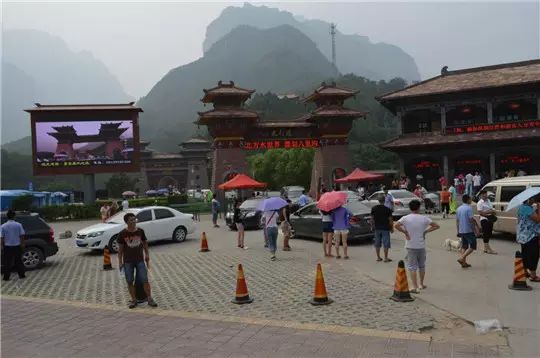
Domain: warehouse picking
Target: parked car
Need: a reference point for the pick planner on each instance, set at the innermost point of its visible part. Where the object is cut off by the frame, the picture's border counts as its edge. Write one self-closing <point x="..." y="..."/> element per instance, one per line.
<point x="307" y="222"/>
<point x="39" y="239"/>
<point x="500" y="192"/>
<point x="158" y="222"/>
<point x="293" y="193"/>
<point x="401" y="197"/>
<point x="251" y="216"/>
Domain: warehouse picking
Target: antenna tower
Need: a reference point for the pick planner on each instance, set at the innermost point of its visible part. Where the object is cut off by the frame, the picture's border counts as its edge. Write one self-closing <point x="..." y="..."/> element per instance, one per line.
<point x="333" y="34"/>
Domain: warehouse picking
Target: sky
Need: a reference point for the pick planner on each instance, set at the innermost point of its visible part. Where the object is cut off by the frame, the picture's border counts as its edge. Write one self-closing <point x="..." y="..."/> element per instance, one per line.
<point x="141" y="41"/>
<point x="47" y="143"/>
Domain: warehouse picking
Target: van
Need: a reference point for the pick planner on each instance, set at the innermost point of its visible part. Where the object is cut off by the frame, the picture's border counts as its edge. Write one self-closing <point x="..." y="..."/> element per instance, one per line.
<point x="500" y="192"/>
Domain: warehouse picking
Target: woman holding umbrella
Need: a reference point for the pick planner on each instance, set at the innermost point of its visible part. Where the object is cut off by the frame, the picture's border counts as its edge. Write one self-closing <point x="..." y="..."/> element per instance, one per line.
<point x="528" y="229"/>
<point x="334" y="221"/>
<point x="270" y="208"/>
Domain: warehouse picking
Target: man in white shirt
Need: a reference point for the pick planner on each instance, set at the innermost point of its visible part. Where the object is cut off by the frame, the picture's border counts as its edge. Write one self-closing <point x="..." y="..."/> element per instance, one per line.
<point x="487" y="215"/>
<point x="125" y="204"/>
<point x="477" y="182"/>
<point x="415" y="227"/>
<point x="469" y="184"/>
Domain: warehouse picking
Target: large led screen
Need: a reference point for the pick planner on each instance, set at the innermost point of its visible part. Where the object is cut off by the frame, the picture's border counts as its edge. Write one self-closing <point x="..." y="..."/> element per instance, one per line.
<point x="83" y="144"/>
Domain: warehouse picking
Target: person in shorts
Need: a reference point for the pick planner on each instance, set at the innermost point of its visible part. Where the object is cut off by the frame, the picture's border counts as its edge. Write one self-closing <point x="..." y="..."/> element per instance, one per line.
<point x="381" y="218"/>
<point x="133" y="256"/>
<point x="466" y="226"/>
<point x="415" y="227"/>
<point x="327" y="232"/>
<point x="341" y="226"/>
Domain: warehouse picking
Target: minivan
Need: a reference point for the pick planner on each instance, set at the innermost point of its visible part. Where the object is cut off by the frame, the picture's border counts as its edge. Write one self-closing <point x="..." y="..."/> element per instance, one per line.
<point x="500" y="192"/>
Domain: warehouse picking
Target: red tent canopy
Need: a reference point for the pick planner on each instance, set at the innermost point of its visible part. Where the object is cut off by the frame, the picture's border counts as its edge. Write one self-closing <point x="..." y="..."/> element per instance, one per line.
<point x="359" y="175"/>
<point x="241" y="181"/>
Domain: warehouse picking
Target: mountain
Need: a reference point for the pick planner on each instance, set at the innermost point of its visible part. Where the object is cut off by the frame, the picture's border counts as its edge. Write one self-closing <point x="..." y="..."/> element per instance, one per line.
<point x="279" y="59"/>
<point x="355" y="53"/>
<point x="39" y="67"/>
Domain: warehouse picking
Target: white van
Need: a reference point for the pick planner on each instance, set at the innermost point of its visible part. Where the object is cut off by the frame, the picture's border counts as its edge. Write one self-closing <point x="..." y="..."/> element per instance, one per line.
<point x="500" y="192"/>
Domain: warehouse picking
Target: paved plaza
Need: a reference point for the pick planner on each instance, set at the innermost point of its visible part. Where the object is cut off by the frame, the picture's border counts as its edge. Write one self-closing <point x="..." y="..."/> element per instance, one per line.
<point x="193" y="289"/>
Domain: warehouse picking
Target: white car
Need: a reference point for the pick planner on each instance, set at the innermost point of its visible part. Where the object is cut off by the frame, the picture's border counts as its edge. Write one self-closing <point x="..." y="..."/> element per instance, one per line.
<point x="158" y="223"/>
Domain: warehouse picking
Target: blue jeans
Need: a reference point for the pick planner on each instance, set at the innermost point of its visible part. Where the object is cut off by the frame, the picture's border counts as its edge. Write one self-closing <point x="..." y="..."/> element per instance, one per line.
<point x="382" y="238"/>
<point x="469" y="189"/>
<point x="129" y="270"/>
<point x="272" y="234"/>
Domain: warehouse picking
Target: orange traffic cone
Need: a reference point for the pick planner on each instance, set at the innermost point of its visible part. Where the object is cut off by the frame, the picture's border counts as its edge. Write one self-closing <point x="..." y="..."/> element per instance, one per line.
<point x="107" y="259"/>
<point x="401" y="287"/>
<point x="204" y="243"/>
<point x="520" y="280"/>
<point x="242" y="295"/>
<point x="320" y="297"/>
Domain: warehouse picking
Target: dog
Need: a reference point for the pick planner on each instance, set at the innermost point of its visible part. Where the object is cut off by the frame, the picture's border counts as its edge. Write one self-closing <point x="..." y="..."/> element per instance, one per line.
<point x="452" y="245"/>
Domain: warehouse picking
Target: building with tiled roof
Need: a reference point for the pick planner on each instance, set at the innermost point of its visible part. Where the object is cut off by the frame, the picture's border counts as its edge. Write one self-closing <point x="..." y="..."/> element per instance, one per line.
<point x="484" y="119"/>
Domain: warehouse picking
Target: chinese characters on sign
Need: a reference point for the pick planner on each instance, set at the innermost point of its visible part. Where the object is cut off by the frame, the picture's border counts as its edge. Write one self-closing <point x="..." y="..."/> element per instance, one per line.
<point x="286" y="144"/>
<point x="493" y="127"/>
<point x="425" y="164"/>
<point x="82" y="163"/>
<point x="515" y="159"/>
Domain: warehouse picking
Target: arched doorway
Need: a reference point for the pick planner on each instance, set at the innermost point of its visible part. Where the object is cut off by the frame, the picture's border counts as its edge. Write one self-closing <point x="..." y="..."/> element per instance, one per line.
<point x="167" y="182"/>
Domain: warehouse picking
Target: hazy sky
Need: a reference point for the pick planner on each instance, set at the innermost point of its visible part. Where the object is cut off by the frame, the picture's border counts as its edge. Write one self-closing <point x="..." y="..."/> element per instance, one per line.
<point x="141" y="41"/>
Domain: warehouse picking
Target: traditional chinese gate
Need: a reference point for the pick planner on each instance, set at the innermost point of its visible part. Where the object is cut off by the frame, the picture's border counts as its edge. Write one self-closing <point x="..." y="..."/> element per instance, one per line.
<point x="236" y="130"/>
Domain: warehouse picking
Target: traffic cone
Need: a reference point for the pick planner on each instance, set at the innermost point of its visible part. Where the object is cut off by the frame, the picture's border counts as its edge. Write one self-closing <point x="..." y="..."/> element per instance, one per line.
<point x="520" y="281"/>
<point x="242" y="295"/>
<point x="107" y="259"/>
<point x="204" y="243"/>
<point x="320" y="297"/>
<point x="401" y="287"/>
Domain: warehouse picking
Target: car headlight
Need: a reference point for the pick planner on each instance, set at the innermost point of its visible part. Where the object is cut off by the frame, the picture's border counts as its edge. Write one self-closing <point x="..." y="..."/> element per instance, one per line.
<point x="250" y="214"/>
<point x="95" y="234"/>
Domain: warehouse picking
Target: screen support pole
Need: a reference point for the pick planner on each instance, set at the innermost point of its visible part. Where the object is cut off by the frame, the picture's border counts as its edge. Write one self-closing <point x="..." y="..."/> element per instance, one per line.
<point x="89" y="188"/>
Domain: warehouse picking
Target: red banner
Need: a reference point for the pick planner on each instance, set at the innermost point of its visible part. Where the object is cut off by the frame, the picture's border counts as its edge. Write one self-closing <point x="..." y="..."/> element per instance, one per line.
<point x="475" y="128"/>
<point x="281" y="143"/>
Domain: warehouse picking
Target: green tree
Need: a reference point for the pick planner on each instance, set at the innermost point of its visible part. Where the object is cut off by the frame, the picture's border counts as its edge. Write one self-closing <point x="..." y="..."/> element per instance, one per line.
<point x="281" y="167"/>
<point x="118" y="183"/>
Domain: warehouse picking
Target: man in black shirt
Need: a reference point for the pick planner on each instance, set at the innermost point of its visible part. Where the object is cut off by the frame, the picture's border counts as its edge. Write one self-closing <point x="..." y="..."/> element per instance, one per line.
<point x="381" y="219"/>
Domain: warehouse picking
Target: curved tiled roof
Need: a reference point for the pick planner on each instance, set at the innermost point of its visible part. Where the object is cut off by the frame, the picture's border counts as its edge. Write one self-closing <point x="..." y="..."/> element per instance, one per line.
<point x="508" y="74"/>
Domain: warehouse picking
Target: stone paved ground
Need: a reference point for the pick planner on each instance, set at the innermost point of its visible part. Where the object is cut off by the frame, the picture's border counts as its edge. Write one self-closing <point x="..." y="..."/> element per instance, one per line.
<point x="33" y="328"/>
<point x="205" y="282"/>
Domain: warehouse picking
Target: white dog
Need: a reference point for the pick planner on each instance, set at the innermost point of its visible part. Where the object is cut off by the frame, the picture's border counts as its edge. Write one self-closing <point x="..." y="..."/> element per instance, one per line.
<point x="450" y="245"/>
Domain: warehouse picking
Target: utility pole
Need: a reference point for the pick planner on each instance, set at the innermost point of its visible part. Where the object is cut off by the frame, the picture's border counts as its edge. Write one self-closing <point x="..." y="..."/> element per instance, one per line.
<point x="333" y="34"/>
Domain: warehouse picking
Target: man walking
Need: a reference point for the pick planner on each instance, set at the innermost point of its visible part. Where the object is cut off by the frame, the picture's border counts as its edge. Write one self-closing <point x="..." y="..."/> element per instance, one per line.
<point x="469" y="184"/>
<point x="215" y="210"/>
<point x="415" y="227"/>
<point x="388" y="199"/>
<point x="133" y="256"/>
<point x="12" y="237"/>
<point x="303" y="200"/>
<point x="487" y="218"/>
<point x="466" y="224"/>
<point x="477" y="182"/>
<point x="381" y="218"/>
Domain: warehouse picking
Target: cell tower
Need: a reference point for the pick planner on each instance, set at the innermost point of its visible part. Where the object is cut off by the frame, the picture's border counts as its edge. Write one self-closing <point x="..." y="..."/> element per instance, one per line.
<point x="333" y="34"/>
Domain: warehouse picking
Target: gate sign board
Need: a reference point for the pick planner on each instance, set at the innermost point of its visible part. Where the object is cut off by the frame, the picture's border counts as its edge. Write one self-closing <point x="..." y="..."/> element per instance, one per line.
<point x="84" y="139"/>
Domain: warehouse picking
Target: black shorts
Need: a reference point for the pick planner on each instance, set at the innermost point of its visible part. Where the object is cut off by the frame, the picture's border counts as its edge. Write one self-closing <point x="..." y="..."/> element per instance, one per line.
<point x="468" y="240"/>
<point x="327" y="226"/>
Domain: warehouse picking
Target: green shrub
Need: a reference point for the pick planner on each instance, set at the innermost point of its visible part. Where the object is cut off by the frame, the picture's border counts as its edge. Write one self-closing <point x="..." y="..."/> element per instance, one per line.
<point x="68" y="212"/>
<point x="22" y="203"/>
<point x="178" y="199"/>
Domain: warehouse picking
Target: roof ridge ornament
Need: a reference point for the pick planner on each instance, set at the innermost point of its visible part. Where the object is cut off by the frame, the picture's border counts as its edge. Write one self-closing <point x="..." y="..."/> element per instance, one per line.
<point x="444" y="71"/>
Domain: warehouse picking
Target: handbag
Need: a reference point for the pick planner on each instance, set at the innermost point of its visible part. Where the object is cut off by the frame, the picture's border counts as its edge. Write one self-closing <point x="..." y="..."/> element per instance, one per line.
<point x="491" y="218"/>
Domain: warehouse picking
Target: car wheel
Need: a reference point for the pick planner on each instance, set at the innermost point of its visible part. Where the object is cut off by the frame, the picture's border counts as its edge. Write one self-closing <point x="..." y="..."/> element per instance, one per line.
<point x="113" y="244"/>
<point x="32" y="257"/>
<point x="179" y="234"/>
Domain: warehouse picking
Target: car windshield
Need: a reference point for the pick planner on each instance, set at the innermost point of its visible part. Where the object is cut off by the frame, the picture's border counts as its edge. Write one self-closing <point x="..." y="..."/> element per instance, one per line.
<point x="402" y="194"/>
<point x="250" y="204"/>
<point x="119" y="218"/>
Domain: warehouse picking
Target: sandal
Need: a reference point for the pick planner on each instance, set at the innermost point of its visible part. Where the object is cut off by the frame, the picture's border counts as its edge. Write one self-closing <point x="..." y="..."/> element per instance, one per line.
<point x="423" y="287"/>
<point x="379" y="259"/>
<point x="463" y="264"/>
<point x="387" y="260"/>
<point x="338" y="257"/>
<point x="346" y="257"/>
<point x="415" y="290"/>
<point x="534" y="279"/>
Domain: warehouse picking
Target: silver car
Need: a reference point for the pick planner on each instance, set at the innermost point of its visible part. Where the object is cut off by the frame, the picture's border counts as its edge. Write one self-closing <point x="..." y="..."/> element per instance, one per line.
<point x="401" y="198"/>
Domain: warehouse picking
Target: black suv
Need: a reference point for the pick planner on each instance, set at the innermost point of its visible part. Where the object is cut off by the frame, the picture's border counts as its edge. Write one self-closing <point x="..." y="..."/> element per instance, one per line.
<point x="39" y="239"/>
